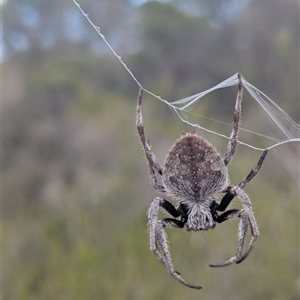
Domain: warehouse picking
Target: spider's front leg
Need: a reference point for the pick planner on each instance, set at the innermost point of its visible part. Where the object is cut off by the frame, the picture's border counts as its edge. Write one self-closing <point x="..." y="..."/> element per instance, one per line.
<point x="153" y="166"/>
<point x="158" y="241"/>
<point x="236" y="123"/>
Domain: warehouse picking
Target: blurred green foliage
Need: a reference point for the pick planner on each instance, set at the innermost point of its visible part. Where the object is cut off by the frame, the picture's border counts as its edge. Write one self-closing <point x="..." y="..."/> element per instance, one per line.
<point x="75" y="183"/>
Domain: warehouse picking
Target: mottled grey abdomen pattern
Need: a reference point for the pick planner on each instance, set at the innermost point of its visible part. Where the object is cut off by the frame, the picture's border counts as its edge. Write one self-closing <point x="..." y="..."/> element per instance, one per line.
<point x="193" y="169"/>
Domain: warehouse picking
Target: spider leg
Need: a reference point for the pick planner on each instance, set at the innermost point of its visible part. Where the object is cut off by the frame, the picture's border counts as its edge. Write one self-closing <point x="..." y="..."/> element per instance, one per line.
<point x="153" y="166"/>
<point x="236" y="123"/>
<point x="153" y="221"/>
<point x="226" y="200"/>
<point x="252" y="222"/>
<point x="158" y="240"/>
<point x="247" y="218"/>
<point x="161" y="239"/>
<point x="242" y="234"/>
<point x="254" y="171"/>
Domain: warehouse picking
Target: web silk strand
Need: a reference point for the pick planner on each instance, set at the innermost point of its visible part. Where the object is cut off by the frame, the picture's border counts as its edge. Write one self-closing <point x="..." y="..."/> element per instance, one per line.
<point x="284" y="124"/>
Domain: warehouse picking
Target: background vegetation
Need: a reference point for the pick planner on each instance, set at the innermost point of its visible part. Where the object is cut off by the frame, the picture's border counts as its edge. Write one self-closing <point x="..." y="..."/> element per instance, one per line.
<point x="75" y="186"/>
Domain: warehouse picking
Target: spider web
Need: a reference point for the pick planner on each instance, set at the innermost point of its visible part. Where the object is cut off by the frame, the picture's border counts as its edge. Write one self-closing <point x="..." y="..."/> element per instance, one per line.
<point x="285" y="129"/>
<point x="280" y="127"/>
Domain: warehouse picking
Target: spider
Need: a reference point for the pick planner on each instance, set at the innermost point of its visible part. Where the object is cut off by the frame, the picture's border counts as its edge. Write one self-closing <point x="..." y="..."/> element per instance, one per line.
<point x="194" y="173"/>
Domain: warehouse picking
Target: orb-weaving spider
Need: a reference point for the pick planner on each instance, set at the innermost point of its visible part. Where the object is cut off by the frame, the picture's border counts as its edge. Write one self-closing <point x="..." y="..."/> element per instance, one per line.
<point x="194" y="172"/>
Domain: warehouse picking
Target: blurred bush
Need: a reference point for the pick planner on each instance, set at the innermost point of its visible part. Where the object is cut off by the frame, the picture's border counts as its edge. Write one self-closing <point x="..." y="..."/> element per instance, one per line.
<point x="75" y="184"/>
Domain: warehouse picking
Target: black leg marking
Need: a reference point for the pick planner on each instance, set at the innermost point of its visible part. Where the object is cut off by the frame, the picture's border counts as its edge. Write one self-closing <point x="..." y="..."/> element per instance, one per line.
<point x="182" y="211"/>
<point x="229" y="214"/>
<point x="226" y="200"/>
<point x="169" y="222"/>
<point x="230" y="193"/>
<point x="169" y="207"/>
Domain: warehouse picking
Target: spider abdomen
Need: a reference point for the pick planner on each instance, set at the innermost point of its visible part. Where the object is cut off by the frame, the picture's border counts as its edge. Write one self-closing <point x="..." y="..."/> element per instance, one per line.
<point x="193" y="169"/>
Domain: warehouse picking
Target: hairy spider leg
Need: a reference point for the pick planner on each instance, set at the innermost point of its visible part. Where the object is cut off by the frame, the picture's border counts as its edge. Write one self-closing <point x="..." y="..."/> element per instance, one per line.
<point x="246" y="215"/>
<point x="158" y="242"/>
<point x="153" y="166"/>
<point x="236" y="123"/>
<point x="247" y="218"/>
<point x="254" y="171"/>
<point x="226" y="200"/>
<point x="157" y="236"/>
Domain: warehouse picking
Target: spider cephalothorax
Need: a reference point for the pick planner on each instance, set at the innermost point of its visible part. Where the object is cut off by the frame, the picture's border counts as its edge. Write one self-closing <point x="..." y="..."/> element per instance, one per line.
<point x="194" y="172"/>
